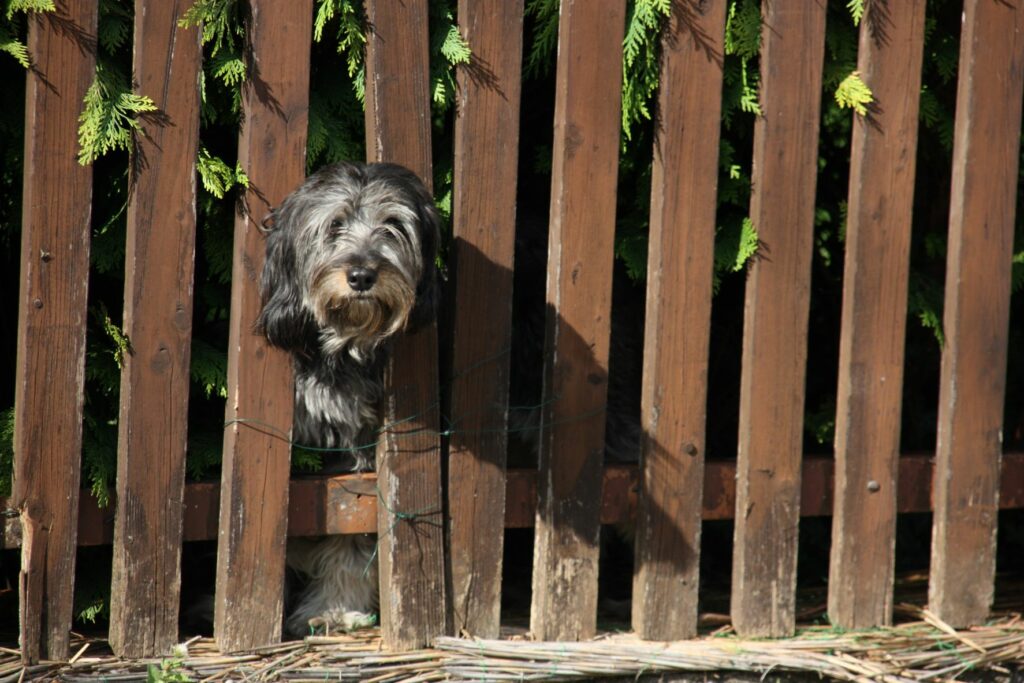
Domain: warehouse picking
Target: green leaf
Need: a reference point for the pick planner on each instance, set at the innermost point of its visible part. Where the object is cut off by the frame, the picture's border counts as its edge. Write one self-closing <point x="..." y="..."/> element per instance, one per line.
<point x="853" y="93"/>
<point x="110" y="115"/>
<point x="27" y="6"/>
<point x="14" y="48"/>
<point x="856" y="8"/>
<point x="217" y="177"/>
<point x="455" y="48"/>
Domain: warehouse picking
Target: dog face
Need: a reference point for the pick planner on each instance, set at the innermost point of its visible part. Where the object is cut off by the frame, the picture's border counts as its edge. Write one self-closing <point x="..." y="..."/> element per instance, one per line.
<point x="350" y="260"/>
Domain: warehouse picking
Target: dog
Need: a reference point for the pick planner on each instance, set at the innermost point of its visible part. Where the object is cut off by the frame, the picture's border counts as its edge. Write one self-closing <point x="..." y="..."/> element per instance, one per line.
<point x="350" y="264"/>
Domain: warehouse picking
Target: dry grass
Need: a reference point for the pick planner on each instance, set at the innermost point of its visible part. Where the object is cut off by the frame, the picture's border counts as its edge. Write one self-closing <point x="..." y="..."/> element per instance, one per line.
<point x="924" y="649"/>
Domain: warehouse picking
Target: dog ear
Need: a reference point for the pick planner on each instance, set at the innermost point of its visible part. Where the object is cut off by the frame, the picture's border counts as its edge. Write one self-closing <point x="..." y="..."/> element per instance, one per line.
<point x="428" y="290"/>
<point x="284" y="321"/>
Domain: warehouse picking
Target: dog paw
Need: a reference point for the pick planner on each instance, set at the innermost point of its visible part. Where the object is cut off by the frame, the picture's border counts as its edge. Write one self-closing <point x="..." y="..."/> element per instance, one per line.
<point x="335" y="622"/>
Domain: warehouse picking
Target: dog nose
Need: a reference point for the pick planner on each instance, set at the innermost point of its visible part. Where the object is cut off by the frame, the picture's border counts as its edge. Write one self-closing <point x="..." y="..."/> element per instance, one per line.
<point x="361" y="279"/>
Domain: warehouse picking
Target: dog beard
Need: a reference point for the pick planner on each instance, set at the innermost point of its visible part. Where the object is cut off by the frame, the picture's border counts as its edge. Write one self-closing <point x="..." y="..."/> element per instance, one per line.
<point x="360" y="321"/>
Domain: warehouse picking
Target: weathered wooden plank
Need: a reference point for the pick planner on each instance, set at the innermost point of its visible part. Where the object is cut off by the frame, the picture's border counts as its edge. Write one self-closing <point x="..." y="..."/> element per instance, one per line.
<point x="986" y="147"/>
<point x="582" y="229"/>
<point x="875" y="280"/>
<point x="272" y="151"/>
<point x="678" y="323"/>
<point x="160" y="256"/>
<point x="410" y="513"/>
<point x="50" y="368"/>
<point x="484" y="212"/>
<point x="775" y="319"/>
<point x="347" y="504"/>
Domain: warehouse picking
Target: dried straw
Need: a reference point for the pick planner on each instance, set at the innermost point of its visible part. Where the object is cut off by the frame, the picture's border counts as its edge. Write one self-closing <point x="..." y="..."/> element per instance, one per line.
<point x="925" y="650"/>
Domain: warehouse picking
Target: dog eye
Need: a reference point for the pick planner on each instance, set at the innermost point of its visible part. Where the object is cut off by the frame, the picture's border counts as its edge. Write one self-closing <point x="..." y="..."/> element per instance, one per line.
<point x="337" y="226"/>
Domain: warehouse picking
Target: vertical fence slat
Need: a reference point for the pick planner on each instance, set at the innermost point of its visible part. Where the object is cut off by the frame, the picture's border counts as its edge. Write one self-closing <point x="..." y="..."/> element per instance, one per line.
<point x="410" y="549"/>
<point x="153" y="424"/>
<point x="876" y="269"/>
<point x="51" y="322"/>
<point x="775" y="319"/>
<point x="678" y="323"/>
<point x="484" y="206"/>
<point x="582" y="229"/>
<point x="986" y="148"/>
<point x="254" y="480"/>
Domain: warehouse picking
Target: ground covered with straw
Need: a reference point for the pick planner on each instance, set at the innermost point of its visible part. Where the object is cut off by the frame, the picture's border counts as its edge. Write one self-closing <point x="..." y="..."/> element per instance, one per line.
<point x="922" y="649"/>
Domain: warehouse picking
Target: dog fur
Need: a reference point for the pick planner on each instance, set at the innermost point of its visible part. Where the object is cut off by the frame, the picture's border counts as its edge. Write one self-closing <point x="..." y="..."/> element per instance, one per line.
<point x="350" y="264"/>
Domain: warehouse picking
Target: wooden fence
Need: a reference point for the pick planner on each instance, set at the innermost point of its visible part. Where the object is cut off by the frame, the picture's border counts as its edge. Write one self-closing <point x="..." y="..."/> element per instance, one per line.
<point x="571" y="493"/>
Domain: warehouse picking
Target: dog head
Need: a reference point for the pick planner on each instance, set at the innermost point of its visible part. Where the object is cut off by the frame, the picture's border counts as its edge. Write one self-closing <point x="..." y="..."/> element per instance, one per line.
<point x="350" y="260"/>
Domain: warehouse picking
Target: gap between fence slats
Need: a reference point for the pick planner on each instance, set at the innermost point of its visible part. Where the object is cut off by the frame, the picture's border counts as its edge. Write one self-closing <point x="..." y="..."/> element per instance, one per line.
<point x="678" y="322"/>
<point x="876" y="272"/>
<point x="411" y="513"/>
<point x="484" y="222"/>
<point x="775" y="319"/>
<point x="49" y="374"/>
<point x="581" y="233"/>
<point x="257" y="452"/>
<point x="986" y="151"/>
<point x="153" y="424"/>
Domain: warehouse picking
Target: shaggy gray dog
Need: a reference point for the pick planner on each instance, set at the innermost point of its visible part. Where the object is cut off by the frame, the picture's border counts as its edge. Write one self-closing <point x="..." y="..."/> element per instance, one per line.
<point x="350" y="264"/>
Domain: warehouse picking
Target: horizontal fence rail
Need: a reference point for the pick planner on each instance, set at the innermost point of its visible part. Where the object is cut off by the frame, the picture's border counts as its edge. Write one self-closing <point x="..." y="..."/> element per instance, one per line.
<point x="441" y="522"/>
<point x="347" y="504"/>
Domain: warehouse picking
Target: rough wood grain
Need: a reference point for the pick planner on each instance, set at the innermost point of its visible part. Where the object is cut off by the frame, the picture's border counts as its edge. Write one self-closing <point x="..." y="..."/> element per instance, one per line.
<point x="257" y="450"/>
<point x="876" y="270"/>
<point x="50" y="368"/>
<point x="775" y="319"/>
<point x="678" y="323"/>
<point x="986" y="146"/>
<point x="160" y="256"/>
<point x="484" y="219"/>
<point x="347" y="504"/>
<point x="410" y="512"/>
<point x="582" y="229"/>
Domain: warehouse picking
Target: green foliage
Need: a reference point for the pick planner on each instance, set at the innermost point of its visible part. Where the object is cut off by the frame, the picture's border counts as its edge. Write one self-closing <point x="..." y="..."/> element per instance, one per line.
<point x="115" y="25"/>
<point x="209" y="369"/>
<point x="169" y="671"/>
<point x="110" y="116"/>
<point x="14" y="47"/>
<point x="447" y="50"/>
<point x="540" y="58"/>
<point x="350" y="35"/>
<point x="217" y="177"/>
<point x="853" y="93"/>
<point x="743" y="40"/>
<point x="735" y="245"/>
<point x="6" y="451"/>
<point x="856" y="8"/>
<point x="29" y="6"/>
<point x="221" y="24"/>
<point x="306" y="460"/>
<point x="640" y="52"/>
<point x="96" y="608"/>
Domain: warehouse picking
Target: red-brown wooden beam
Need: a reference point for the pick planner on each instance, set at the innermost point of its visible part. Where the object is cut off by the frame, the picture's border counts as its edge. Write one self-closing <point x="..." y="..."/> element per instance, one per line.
<point x="411" y="545"/>
<point x="49" y="374"/>
<point x="584" y="170"/>
<point x="678" y="322"/>
<point x="771" y="413"/>
<point x="484" y="226"/>
<point x="257" y="450"/>
<point x="347" y="504"/>
<point x="986" y="151"/>
<point x="876" y="270"/>
<point x="159" y="264"/>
